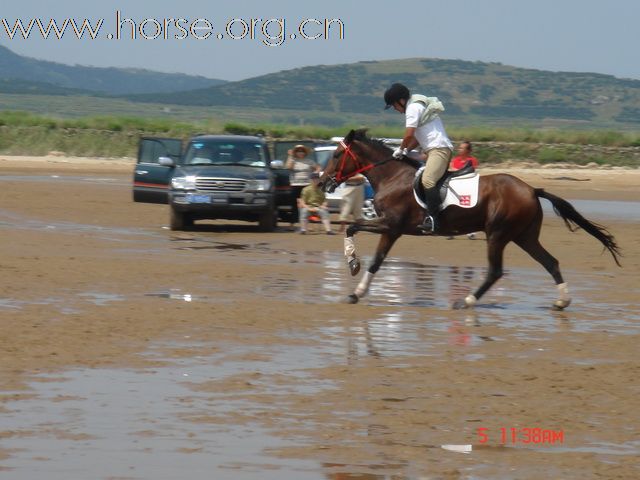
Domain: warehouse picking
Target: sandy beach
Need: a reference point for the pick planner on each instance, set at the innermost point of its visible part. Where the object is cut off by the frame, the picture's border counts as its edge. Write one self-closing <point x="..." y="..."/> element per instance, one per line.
<point x="86" y="284"/>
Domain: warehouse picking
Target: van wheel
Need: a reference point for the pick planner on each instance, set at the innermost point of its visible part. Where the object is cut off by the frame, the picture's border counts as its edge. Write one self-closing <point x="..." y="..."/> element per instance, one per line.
<point x="268" y="222"/>
<point x="179" y="220"/>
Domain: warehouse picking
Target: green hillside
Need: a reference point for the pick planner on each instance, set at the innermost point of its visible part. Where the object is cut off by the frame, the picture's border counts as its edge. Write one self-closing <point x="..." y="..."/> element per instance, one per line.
<point x="474" y="94"/>
<point x="12" y="86"/>
<point x="470" y="90"/>
<point x="113" y="81"/>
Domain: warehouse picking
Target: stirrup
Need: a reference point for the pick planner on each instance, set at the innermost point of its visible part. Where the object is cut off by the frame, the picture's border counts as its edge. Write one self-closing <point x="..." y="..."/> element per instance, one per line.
<point x="429" y="225"/>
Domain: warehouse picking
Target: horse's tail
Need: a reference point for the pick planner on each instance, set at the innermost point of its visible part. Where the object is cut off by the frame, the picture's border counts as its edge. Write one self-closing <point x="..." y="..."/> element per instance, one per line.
<point x="571" y="216"/>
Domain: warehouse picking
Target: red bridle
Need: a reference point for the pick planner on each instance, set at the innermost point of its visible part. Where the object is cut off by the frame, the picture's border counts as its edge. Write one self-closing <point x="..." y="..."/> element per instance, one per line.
<point x="339" y="177"/>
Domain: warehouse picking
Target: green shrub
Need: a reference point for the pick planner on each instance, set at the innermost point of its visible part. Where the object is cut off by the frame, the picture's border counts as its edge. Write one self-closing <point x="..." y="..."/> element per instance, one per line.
<point x="550" y="155"/>
<point x="239" y="129"/>
<point x="26" y="133"/>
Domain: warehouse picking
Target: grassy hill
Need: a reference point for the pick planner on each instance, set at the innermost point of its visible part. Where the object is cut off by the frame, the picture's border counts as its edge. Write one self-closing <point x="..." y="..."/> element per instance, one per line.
<point x="112" y="81"/>
<point x="474" y="91"/>
<point x="27" y="87"/>
<point x="474" y="94"/>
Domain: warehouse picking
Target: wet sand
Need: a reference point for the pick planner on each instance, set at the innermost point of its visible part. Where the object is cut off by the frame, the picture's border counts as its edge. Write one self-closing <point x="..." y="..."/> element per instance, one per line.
<point x="92" y="282"/>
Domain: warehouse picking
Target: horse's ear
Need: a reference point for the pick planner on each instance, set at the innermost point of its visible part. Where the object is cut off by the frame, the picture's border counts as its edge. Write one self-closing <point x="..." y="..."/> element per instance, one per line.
<point x="361" y="134"/>
<point x="350" y="136"/>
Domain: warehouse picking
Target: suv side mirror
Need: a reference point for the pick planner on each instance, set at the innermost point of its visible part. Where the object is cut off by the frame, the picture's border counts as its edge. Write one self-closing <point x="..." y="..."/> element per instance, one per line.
<point x="166" y="162"/>
<point x="277" y="164"/>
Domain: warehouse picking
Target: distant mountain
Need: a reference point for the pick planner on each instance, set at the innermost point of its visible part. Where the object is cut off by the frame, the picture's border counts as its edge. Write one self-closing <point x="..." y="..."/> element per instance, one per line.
<point x="470" y="89"/>
<point x="26" y="87"/>
<point x="110" y="81"/>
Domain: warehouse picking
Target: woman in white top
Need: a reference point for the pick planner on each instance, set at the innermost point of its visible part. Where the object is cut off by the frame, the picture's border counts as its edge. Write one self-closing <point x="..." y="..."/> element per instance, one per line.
<point x="301" y="167"/>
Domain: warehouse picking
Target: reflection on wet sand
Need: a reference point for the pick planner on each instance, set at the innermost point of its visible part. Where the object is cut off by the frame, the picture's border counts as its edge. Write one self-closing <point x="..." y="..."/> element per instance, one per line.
<point x="336" y="471"/>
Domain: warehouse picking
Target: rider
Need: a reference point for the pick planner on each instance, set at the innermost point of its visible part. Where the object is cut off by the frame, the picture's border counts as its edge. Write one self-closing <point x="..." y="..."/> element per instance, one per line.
<point x="423" y="127"/>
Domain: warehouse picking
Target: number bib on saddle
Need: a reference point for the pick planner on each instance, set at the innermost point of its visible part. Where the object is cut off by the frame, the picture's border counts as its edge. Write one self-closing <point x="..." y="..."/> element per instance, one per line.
<point x="462" y="191"/>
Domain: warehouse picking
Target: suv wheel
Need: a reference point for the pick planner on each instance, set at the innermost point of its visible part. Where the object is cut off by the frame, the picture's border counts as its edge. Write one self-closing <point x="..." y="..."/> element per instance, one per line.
<point x="179" y="220"/>
<point x="268" y="221"/>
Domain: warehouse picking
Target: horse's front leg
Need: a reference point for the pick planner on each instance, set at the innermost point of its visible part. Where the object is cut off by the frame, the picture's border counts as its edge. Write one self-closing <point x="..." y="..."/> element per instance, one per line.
<point x="377" y="225"/>
<point x="387" y="240"/>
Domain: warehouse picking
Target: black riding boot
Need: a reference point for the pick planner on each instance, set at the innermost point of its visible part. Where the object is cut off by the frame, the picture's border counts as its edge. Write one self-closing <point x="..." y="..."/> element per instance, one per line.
<point x="432" y="199"/>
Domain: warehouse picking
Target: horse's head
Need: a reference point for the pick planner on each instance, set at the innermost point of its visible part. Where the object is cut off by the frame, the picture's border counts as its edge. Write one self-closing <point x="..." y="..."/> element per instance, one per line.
<point x="349" y="159"/>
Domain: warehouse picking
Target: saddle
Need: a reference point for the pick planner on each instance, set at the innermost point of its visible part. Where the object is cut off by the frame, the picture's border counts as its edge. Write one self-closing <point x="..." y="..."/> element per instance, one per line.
<point x="442" y="184"/>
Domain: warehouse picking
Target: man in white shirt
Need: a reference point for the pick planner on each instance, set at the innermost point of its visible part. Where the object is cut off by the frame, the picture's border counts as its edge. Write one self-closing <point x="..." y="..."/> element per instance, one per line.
<point x="423" y="127"/>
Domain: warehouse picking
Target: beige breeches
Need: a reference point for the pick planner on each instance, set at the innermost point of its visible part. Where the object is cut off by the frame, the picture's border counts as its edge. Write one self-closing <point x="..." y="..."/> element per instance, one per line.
<point x="437" y="162"/>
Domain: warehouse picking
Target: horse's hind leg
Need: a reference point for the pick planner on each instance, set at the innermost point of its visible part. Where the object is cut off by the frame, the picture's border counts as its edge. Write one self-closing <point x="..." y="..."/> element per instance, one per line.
<point x="384" y="245"/>
<point x="530" y="243"/>
<point x="496" y="244"/>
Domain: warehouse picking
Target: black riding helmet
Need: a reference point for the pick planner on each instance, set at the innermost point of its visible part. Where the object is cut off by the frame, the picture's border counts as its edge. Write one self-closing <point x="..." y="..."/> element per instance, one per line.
<point x="395" y="93"/>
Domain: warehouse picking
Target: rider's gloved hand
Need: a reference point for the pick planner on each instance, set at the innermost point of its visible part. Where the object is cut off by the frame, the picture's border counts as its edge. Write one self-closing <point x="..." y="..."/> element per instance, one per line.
<point x="399" y="152"/>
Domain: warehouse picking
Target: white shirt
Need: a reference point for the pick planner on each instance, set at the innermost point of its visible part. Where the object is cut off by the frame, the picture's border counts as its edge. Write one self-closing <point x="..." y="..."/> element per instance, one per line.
<point x="302" y="168"/>
<point x="431" y="134"/>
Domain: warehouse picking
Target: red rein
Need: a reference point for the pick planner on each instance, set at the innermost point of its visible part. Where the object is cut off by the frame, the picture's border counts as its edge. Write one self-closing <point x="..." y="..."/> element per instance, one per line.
<point x="359" y="167"/>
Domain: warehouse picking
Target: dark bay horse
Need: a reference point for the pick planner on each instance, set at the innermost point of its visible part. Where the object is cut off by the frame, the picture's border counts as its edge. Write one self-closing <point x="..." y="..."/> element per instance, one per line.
<point x="508" y="210"/>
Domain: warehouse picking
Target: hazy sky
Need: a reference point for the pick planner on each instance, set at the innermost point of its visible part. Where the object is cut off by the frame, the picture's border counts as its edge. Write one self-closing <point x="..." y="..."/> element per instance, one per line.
<point x="568" y="35"/>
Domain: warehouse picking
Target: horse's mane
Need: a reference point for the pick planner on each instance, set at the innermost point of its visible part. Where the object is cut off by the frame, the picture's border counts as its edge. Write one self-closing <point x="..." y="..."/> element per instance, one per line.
<point x="380" y="146"/>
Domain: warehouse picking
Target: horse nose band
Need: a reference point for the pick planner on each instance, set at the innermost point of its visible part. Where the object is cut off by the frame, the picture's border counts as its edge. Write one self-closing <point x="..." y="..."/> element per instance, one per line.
<point x="330" y="184"/>
<point x="339" y="177"/>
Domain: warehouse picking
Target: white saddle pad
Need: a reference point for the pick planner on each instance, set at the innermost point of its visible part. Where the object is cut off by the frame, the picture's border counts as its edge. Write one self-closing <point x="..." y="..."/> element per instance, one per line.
<point x="462" y="191"/>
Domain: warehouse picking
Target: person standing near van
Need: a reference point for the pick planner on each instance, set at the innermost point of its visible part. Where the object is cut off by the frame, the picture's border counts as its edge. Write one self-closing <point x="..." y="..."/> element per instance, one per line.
<point x="301" y="166"/>
<point x="352" y="200"/>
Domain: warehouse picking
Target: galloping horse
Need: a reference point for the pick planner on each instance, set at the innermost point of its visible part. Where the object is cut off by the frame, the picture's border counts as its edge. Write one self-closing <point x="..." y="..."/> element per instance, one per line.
<point x="508" y="210"/>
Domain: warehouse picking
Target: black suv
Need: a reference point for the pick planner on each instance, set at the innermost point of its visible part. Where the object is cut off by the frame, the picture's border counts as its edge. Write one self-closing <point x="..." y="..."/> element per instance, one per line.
<point x="214" y="177"/>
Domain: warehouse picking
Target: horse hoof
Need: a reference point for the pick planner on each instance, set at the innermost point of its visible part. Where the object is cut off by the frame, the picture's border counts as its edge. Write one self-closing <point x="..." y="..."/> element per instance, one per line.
<point x="459" y="305"/>
<point x="353" y="298"/>
<point x="354" y="266"/>
<point x="561" y="304"/>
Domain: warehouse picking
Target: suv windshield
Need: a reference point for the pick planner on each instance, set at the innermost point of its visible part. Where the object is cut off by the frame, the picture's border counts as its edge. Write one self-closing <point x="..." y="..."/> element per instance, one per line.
<point x="323" y="156"/>
<point x="225" y="153"/>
